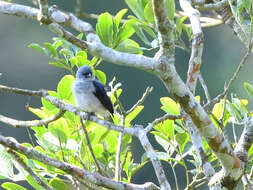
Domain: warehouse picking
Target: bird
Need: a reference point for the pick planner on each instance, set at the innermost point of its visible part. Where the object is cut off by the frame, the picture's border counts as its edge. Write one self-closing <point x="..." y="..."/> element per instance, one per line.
<point x="90" y="94"/>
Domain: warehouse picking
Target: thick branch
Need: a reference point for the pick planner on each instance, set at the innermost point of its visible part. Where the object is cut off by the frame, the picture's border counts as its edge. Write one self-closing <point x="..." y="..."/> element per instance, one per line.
<point x="165" y="29"/>
<point x="73" y="170"/>
<point x="192" y="77"/>
<point x="93" y="44"/>
<point x="245" y="141"/>
<point x="220" y="146"/>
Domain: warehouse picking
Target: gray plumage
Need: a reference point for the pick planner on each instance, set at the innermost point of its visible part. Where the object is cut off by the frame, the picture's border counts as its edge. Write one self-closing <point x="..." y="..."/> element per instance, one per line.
<point x="90" y="94"/>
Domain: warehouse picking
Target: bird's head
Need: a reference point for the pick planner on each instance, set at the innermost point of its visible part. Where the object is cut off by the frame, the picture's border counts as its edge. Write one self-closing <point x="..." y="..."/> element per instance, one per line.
<point x="84" y="72"/>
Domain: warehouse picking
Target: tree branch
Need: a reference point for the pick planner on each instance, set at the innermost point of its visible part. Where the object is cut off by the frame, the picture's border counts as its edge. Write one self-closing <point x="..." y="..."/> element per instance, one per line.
<point x="192" y="77"/>
<point x="136" y="131"/>
<point x="93" y="44"/>
<point x="69" y="107"/>
<point x="161" y="119"/>
<point x="141" y="100"/>
<point x="33" y="123"/>
<point x="91" y="150"/>
<point x="245" y="140"/>
<point x="74" y="171"/>
<point x="165" y="29"/>
<point x="212" y="6"/>
<point x="154" y="159"/>
<point x="28" y="169"/>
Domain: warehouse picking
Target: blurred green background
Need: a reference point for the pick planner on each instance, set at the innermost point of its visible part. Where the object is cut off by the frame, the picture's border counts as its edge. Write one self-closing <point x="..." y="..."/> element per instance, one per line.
<point x="25" y="68"/>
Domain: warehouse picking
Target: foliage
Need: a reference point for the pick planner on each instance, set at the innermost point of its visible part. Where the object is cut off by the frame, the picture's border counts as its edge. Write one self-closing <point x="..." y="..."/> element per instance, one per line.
<point x="64" y="140"/>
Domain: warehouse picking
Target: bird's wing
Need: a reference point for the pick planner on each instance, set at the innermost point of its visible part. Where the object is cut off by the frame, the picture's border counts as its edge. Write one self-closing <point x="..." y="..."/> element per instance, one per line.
<point x="100" y="93"/>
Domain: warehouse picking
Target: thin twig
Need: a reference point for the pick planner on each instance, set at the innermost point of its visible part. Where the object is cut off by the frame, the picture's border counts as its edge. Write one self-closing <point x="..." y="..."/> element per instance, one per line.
<point x="235" y="75"/>
<point x="175" y="176"/>
<point x="204" y="86"/>
<point x="223" y="109"/>
<point x="33" y="123"/>
<point x="28" y="169"/>
<point x="79" y="7"/>
<point x="124" y="161"/>
<point x="121" y="107"/>
<point x="213" y="6"/>
<point x="161" y="119"/>
<point x="90" y="148"/>
<point x="234" y="133"/>
<point x="141" y="100"/>
<point x="118" y="152"/>
<point x="72" y="170"/>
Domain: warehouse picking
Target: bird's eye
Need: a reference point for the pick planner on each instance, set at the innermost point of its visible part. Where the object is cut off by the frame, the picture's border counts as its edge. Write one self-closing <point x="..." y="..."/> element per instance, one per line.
<point x="87" y="75"/>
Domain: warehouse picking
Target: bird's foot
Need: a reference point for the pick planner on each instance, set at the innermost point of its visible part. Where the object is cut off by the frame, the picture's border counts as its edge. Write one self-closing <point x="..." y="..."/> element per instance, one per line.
<point x="90" y="114"/>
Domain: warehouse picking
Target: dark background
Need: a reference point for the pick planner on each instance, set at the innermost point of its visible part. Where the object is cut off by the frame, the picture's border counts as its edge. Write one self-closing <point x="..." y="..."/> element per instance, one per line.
<point x="26" y="68"/>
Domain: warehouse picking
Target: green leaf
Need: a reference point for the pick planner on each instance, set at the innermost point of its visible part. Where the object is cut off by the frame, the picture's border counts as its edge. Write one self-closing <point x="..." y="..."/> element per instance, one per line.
<point x="125" y="32"/>
<point x="250" y="153"/>
<point x="57" y="44"/>
<point x="66" y="52"/>
<point x="81" y="61"/>
<point x="64" y="87"/>
<point x="137" y="167"/>
<point x="58" y="184"/>
<point x="182" y="139"/>
<point x="39" y="131"/>
<point x="118" y="17"/>
<point x="112" y="141"/>
<point x="82" y="54"/>
<point x="98" y="150"/>
<point x="72" y="145"/>
<point x="148" y="12"/>
<point x="129" y="46"/>
<point x="34" y="183"/>
<point x="141" y="34"/>
<point x="130" y="117"/>
<point x="49" y="142"/>
<point x="59" y="129"/>
<point x="80" y="36"/>
<point x="38" y="48"/>
<point x="58" y="64"/>
<point x="73" y="61"/>
<point x="137" y="7"/>
<point x="104" y="29"/>
<point x="149" y="30"/>
<point x="164" y="156"/>
<point x="170" y="6"/>
<point x="162" y="140"/>
<point x="12" y="186"/>
<point x="247" y="4"/>
<point x="46" y="104"/>
<point x="6" y="163"/>
<point x="51" y="49"/>
<point x="167" y="128"/>
<point x="40" y="113"/>
<point x="101" y="76"/>
<point x="169" y="106"/>
<point x="249" y="88"/>
<point x="234" y="111"/>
